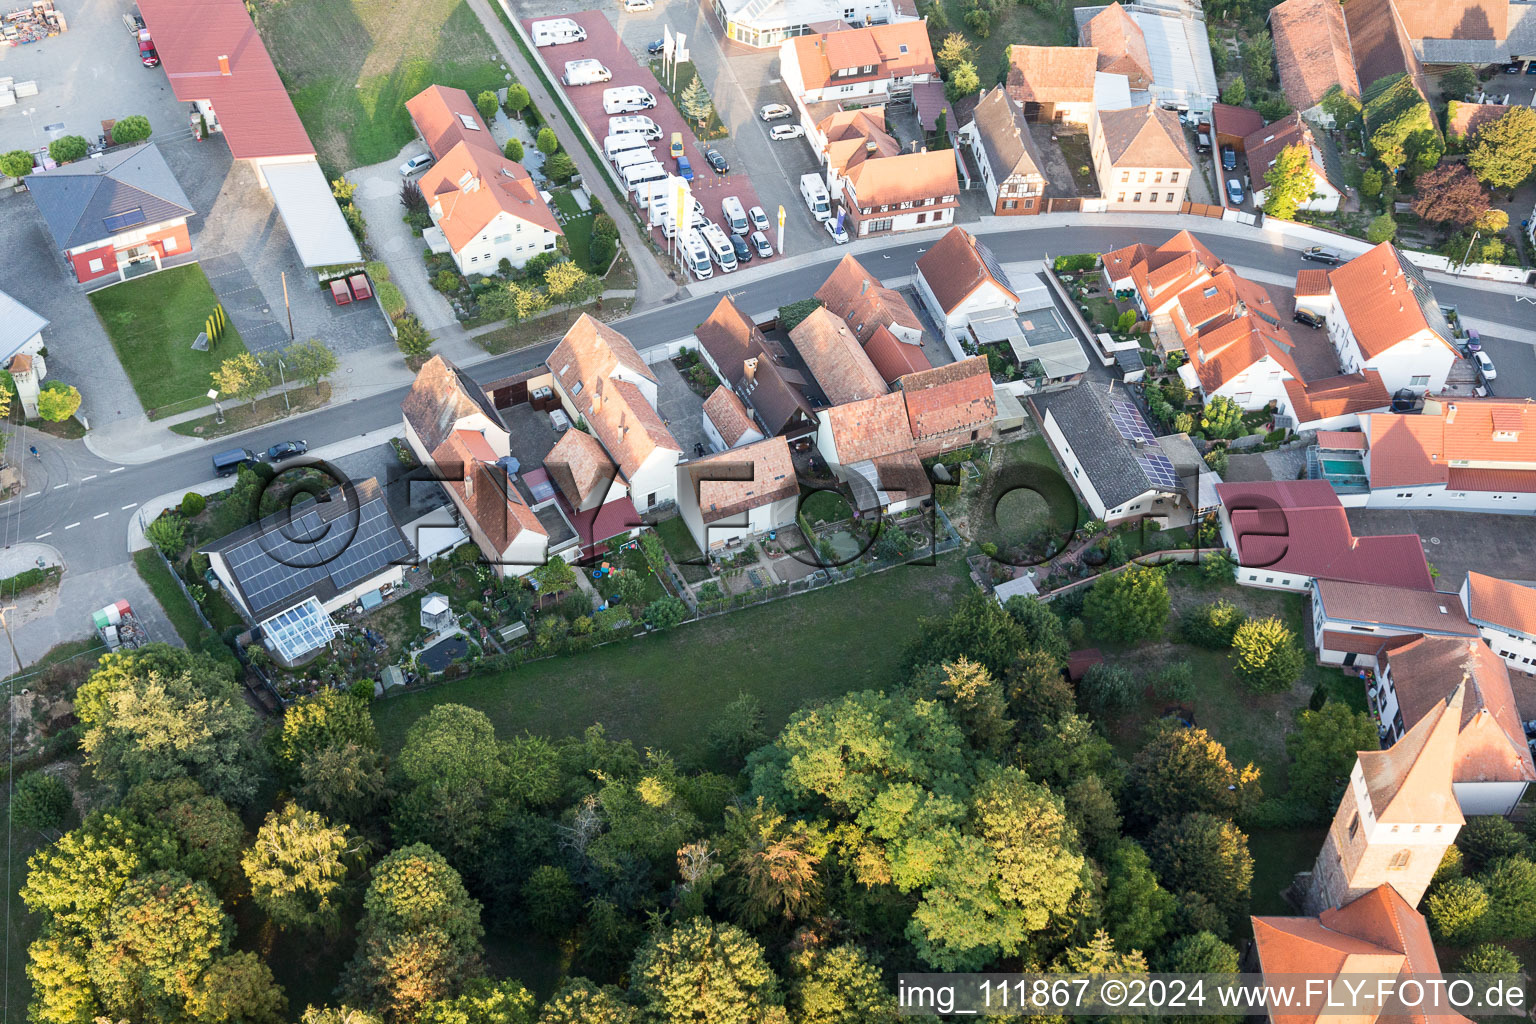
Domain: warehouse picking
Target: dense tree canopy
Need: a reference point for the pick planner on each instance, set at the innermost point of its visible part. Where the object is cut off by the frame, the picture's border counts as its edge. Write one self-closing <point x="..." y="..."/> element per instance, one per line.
<point x="701" y="972"/>
<point x="1504" y="154"/>
<point x="1128" y="607"/>
<point x="297" y="868"/>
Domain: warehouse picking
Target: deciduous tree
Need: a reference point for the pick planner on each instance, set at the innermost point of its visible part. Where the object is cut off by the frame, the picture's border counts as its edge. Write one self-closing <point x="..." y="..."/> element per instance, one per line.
<point x="1205" y="855"/>
<point x="1458" y="81"/>
<point x="546" y="142"/>
<point x="1266" y="656"/>
<point x="517" y="99"/>
<point x="241" y="377"/>
<point x="1382" y="228"/>
<point x="330" y="718"/>
<point x="483" y="1002"/>
<point x="68" y="149"/>
<point x="569" y="285"/>
<point x="1128" y="607"/>
<point x="1457" y="910"/>
<point x="771" y="865"/>
<point x="1181" y="770"/>
<point x="1486" y="838"/>
<point x="16" y="164"/>
<point x="840" y="985"/>
<point x="1289" y="182"/>
<point x="1450" y="194"/>
<point x="963" y="81"/>
<point x="1323" y="748"/>
<point x="310" y="361"/>
<point x="237" y="989"/>
<point x="298" y="866"/>
<point x="700" y="972"/>
<point x="40" y="800"/>
<point x="130" y="129"/>
<point x="581" y="1002"/>
<point x="1137" y="911"/>
<point x="57" y="401"/>
<point x="1504" y="154"/>
<point x="452" y="783"/>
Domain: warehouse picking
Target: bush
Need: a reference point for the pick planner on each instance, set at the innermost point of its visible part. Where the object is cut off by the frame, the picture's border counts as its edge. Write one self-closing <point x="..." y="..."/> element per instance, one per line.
<point x="68" y="149"/>
<point x="192" y="504"/>
<point x="133" y="128"/>
<point x="560" y="167"/>
<point x="1213" y="625"/>
<point x="1266" y="656"/>
<point x="168" y="533"/>
<point x="513" y="150"/>
<point x="412" y="337"/>
<point x="1076" y="264"/>
<point x="1382" y="229"/>
<point x="792" y="314"/>
<point x="665" y="612"/>
<point x="390" y="297"/>
<point x="1129" y="606"/>
<point x="40" y="801"/>
<point x="1174" y="682"/>
<point x="1106" y="690"/>
<point x="1485" y="839"/>
<point x="486" y="104"/>
<point x="1456" y="910"/>
<point x="16" y="164"/>
<point x="447" y="282"/>
<point x="1489" y="958"/>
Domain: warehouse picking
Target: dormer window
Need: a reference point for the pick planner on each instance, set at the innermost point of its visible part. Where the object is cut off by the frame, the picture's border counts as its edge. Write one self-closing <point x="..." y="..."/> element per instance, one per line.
<point x="1506" y="435"/>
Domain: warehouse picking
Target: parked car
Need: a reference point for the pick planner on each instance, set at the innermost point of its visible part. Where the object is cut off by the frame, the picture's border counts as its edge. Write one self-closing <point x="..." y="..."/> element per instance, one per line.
<point x="1228" y="158"/>
<point x="760" y="243"/>
<point x="1203" y="137"/>
<point x="147" y="55"/>
<point x="1474" y="340"/>
<point x="743" y="250"/>
<point x="1311" y="319"/>
<point x="1235" y="191"/>
<point x="229" y="463"/>
<point x="1485" y="365"/>
<point x="839" y="234"/>
<point x="639" y="5"/>
<point x="684" y="168"/>
<point x="1512" y="68"/>
<point x="287" y="450"/>
<point x="759" y="218"/>
<point x="1317" y="254"/>
<point x="419" y="162"/>
<point x="774" y="111"/>
<point x="677" y="144"/>
<point x="716" y="161"/>
<point x="781" y="132"/>
<point x="656" y="46"/>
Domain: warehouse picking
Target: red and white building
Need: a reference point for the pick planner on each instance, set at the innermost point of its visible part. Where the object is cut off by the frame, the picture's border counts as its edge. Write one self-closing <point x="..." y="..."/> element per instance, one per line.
<point x="107" y="215"/>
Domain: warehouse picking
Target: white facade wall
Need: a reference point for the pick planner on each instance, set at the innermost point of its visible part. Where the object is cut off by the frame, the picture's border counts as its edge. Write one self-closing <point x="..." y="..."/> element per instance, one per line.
<point x="744" y="526"/>
<point x="1421" y="361"/>
<point x="655" y="482"/>
<point x="1261" y="578"/>
<point x="495" y="436"/>
<point x="1257" y="386"/>
<point x="717" y="440"/>
<point x="505" y="237"/>
<point x="900" y="220"/>
<point x="1325" y="198"/>
<point x="1438" y="497"/>
<point x="1517" y="649"/>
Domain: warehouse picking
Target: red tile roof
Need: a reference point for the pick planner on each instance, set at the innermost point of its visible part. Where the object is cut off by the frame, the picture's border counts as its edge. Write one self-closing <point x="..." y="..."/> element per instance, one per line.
<point x="956" y="265"/>
<point x="1491" y="746"/>
<point x="772" y="478"/>
<point x="580" y="468"/>
<point x="1489" y="443"/>
<point x="196" y="39"/>
<point x="854" y="136"/>
<point x="472" y="186"/>
<point x="1410" y="781"/>
<point x="1220" y="354"/>
<point x="1465" y="19"/>
<point x="1121" y="44"/>
<point x="1299" y="526"/>
<point x="1380" y="43"/>
<point x="870" y="428"/>
<point x="729" y="415"/>
<point x="857" y="296"/>
<point x="1341" y="440"/>
<point x="1146" y="136"/>
<point x="1406" y="608"/>
<point x="1349" y="394"/>
<point x="588" y="363"/>
<point x="897" y="50"/>
<point x="893" y="357"/>
<point x="1501" y="603"/>
<point x="485" y="494"/>
<point x="905" y="178"/>
<point x="1052" y="74"/>
<point x="445" y="117"/>
<point x="1466" y="118"/>
<point x="835" y="359"/>
<point x="1264" y="146"/>
<point x="1312" y="51"/>
<point x="1364" y="643"/>
<point x="1235" y="122"/>
<point x="1312" y="282"/>
<point x="945" y="399"/>
<point x="1380" y="301"/>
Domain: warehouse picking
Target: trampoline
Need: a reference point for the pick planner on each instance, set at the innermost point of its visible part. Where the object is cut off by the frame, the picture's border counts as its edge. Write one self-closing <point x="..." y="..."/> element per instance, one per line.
<point x="437" y="657"/>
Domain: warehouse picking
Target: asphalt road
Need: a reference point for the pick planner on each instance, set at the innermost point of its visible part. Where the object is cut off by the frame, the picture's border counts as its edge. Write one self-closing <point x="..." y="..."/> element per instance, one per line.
<point x="80" y="504"/>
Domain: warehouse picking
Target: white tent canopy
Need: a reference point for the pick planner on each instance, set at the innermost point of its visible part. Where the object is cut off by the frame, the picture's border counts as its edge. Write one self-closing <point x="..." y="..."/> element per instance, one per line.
<point x="310" y="213"/>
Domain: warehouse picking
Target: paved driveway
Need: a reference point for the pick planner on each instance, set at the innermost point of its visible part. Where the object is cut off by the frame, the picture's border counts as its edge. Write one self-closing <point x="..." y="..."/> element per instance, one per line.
<point x="1455" y="542"/>
<point x="378" y="196"/>
<point x="680" y="408"/>
<point x="1516" y="364"/>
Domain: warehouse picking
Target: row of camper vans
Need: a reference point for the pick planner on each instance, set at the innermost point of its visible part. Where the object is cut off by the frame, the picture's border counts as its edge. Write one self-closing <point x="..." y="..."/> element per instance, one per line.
<point x="634" y="124"/>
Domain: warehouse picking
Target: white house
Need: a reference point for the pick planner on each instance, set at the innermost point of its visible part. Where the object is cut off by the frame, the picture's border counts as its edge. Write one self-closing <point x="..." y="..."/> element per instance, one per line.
<point x="736" y="495"/>
<point x="1385" y="318"/>
<point x="869" y="445"/>
<point x="1247" y="359"/>
<point x="1351" y="622"/>
<point x="603" y="383"/>
<point x="867" y="64"/>
<point x="1462" y="454"/>
<point x="1492" y="762"/>
<point x="1505" y="614"/>
<point x="764" y="23"/>
<point x="1263" y="148"/>
<point x="442" y="400"/>
<point x="21" y="351"/>
<point x="957" y="278"/>
<point x="727" y="423"/>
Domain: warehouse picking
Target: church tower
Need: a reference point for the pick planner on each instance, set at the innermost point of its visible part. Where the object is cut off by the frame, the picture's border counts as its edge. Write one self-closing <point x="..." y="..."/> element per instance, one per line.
<point x="1398" y="815"/>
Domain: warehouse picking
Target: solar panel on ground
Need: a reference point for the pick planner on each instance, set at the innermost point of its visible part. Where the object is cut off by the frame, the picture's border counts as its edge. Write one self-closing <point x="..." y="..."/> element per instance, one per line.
<point x="1159" y="470"/>
<point x="122" y="221"/>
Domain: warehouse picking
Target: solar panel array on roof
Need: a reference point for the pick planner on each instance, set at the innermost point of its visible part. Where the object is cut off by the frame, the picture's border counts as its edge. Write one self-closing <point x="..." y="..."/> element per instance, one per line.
<point x="293" y="556"/>
<point x="1159" y="470"/>
<point x="993" y="267"/>
<point x="122" y="221"/>
<point x="1127" y="420"/>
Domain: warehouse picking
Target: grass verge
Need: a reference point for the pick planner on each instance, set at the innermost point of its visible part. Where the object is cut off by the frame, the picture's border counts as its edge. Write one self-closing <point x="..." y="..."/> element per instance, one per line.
<point x="70" y="430"/>
<point x="266" y="410"/>
<point x="162" y="584"/>
<point x="152" y="322"/>
<point x="664" y="690"/>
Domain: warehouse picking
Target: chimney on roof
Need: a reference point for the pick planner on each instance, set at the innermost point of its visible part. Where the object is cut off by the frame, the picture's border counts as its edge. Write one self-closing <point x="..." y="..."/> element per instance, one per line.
<point x="1450" y="413"/>
<point x="864" y="286"/>
<point x="749" y="367"/>
<point x="224" y="64"/>
<point x="870" y="147"/>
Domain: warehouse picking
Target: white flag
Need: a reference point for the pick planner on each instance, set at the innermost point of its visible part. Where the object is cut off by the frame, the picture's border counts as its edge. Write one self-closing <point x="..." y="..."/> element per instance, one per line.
<point x="667" y="43"/>
<point x="681" y="51"/>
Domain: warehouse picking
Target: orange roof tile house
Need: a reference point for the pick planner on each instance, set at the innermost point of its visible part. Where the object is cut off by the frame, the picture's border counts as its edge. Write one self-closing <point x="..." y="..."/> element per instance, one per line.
<point x="1122" y="46"/>
<point x="1264" y="147"/>
<point x="1505" y="613"/>
<point x="1141" y="159"/>
<point x="1354" y="624"/>
<point x="1312" y="54"/>
<point x="733" y="496"/>
<point x="1468" y="454"/>
<point x="874" y="63"/>
<point x="486" y="207"/>
<point x="1053" y="83"/>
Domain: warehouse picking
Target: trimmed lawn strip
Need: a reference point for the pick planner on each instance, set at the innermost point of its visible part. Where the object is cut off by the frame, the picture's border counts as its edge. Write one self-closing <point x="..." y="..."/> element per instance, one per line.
<point x="677" y="540"/>
<point x="266" y="410"/>
<point x="152" y="322"/>
<point x="350" y="65"/>
<point x="512" y="337"/>
<point x="163" y="585"/>
<point x="663" y="691"/>
<point x="578" y="230"/>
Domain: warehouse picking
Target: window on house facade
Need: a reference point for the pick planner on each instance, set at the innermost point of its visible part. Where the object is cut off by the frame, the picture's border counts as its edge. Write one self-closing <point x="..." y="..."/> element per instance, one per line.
<point x="1141" y="176"/>
<point x="1029" y="204"/>
<point x="1136" y="198"/>
<point x="881" y="225"/>
<point x="1419" y="380"/>
<point x="1400" y="859"/>
<point x="96" y="266"/>
<point x="1125" y="175"/>
<point x="169" y="243"/>
<point x="1120" y="197"/>
<point x="922" y="218"/>
<point x="1354" y="825"/>
<point x="1159" y="179"/>
<point x="1009" y="204"/>
<point x="502" y="239"/>
<point x="1170" y="197"/>
<point x="1173" y="179"/>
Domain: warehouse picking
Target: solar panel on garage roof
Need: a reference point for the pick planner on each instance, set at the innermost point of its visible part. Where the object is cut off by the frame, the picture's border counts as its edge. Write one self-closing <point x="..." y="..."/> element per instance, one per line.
<point x="1159" y="470"/>
<point x="1128" y="421"/>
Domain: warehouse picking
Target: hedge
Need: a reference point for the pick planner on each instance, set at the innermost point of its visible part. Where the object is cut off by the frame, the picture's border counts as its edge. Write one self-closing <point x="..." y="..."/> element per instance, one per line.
<point x="27" y="580"/>
<point x="1077" y="264"/>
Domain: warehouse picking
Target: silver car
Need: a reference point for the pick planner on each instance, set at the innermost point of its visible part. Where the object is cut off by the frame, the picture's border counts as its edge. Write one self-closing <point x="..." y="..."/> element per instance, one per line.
<point x="758" y="217"/>
<point x="419" y="162"/>
<point x="760" y="243"/>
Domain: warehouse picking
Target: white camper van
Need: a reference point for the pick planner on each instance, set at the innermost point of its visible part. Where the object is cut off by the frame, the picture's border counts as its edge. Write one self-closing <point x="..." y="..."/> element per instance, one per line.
<point x="719" y="247"/>
<point x="554" y="31"/>
<point x="634" y="123"/>
<point x="588" y="71"/>
<point x="626" y="99"/>
<point x="613" y="145"/>
<point x="735" y="215"/>
<point x="696" y="255"/>
<point x="631" y="157"/>
<point x="637" y="175"/>
<point x="814" y="191"/>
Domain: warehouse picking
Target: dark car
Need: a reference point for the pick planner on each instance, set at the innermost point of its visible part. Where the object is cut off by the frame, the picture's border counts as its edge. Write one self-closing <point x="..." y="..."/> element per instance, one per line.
<point x="1512" y="69"/>
<point x="1318" y="254"/>
<point x="743" y="250"/>
<point x="1474" y="340"/>
<point x="1203" y="137"/>
<point x="1311" y="319"/>
<point x="1229" y="158"/>
<point x="716" y="161"/>
<point x="653" y="48"/>
<point x="287" y="450"/>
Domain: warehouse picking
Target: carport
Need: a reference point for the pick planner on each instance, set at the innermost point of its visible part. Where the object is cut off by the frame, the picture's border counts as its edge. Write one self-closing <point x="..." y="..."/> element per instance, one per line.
<point x="309" y="211"/>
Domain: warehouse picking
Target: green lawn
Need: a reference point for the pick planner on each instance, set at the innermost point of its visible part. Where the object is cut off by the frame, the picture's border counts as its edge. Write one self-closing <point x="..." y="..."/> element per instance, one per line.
<point x="163" y="585"/>
<point x="578" y="230"/>
<point x="663" y="691"/>
<point x="1015" y="23"/>
<point x="153" y="322"/>
<point x="350" y="65"/>
<point x="677" y="540"/>
<point x="1021" y="493"/>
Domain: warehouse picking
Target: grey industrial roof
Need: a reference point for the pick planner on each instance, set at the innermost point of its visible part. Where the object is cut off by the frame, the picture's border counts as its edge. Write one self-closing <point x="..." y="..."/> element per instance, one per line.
<point x="1096" y="419"/>
<point x="90" y="200"/>
<point x="18" y="324"/>
<point x="317" y="549"/>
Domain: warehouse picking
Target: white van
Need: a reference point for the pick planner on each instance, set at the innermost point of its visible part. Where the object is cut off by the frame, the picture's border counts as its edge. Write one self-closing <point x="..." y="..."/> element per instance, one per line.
<point x="554" y="31"/>
<point x="626" y="99"/>
<point x="588" y="71"/>
<point x="814" y="191"/>
<point x="613" y="145"/>
<point x="636" y="175"/>
<point x="719" y="247"/>
<point x="696" y="255"/>
<point x="627" y="123"/>
<point x="735" y="215"/>
<point x="631" y="157"/>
